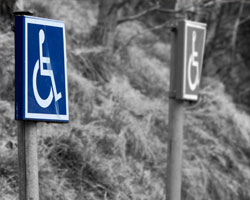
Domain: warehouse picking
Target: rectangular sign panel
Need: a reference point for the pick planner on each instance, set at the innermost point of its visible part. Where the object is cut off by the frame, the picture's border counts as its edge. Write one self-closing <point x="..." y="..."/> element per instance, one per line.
<point x="191" y="43"/>
<point x="40" y="70"/>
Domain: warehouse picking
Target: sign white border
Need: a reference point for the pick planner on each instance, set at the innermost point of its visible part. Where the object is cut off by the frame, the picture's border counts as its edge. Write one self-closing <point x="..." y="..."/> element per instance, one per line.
<point x="42" y="116"/>
<point x="199" y="26"/>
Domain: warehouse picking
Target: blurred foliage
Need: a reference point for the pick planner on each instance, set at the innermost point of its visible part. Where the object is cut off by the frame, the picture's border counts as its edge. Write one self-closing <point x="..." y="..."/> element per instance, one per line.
<point x="115" y="146"/>
<point x="6" y="9"/>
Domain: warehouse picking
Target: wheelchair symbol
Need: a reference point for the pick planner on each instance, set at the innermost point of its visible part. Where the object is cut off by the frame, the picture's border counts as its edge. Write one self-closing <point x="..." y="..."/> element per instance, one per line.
<point x="44" y="103"/>
<point x="193" y="63"/>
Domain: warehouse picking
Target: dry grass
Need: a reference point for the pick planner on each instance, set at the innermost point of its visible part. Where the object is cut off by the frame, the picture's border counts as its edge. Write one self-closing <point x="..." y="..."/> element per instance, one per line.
<point x="219" y="135"/>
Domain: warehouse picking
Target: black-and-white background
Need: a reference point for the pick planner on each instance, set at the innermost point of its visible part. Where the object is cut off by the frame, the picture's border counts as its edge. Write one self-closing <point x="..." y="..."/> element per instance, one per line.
<point x="115" y="145"/>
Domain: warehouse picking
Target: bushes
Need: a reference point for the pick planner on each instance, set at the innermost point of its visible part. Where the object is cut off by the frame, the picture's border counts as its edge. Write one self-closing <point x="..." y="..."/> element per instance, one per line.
<point x="114" y="154"/>
<point x="6" y="9"/>
<point x="216" y="135"/>
<point x="7" y="66"/>
<point x="8" y="153"/>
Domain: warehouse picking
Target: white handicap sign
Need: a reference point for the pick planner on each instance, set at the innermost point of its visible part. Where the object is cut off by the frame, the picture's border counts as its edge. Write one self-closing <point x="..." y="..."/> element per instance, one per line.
<point x="193" y="62"/>
<point x="191" y="44"/>
<point x="44" y="103"/>
<point x="43" y="70"/>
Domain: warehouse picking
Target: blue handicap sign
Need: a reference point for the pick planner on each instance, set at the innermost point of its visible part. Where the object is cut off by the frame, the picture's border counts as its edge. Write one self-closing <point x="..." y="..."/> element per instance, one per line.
<point x="41" y="73"/>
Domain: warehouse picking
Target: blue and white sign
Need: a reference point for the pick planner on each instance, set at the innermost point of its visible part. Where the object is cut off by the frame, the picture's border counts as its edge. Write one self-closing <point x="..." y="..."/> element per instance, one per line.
<point x="191" y="44"/>
<point x="41" y="71"/>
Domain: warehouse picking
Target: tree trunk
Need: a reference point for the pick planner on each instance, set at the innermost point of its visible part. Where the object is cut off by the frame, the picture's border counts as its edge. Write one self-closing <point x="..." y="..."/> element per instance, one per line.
<point x="236" y="27"/>
<point x="169" y="4"/>
<point x="132" y="6"/>
<point x="214" y="25"/>
<point x="6" y="9"/>
<point x="104" y="33"/>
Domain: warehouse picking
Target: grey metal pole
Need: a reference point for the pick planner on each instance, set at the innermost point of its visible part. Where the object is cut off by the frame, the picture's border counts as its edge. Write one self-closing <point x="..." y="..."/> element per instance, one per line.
<point x="176" y="116"/>
<point x="28" y="160"/>
<point x="27" y="148"/>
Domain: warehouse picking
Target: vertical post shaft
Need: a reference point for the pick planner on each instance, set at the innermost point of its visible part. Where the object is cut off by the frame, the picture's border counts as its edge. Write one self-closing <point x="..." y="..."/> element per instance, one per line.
<point x="28" y="161"/>
<point x="176" y="116"/>
<point x="27" y="152"/>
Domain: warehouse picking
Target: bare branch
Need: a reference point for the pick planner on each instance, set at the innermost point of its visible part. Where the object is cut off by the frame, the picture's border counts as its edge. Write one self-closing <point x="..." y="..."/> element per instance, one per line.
<point x="160" y="26"/>
<point x="158" y="8"/>
<point x="180" y="10"/>
<point x="245" y="20"/>
<point x="236" y="25"/>
<point x="234" y="1"/>
<point x="134" y="17"/>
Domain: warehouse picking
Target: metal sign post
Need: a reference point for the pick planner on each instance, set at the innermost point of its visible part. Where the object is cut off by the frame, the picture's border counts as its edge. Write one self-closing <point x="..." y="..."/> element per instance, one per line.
<point x="186" y="63"/>
<point x="27" y="151"/>
<point x="28" y="161"/>
<point x="176" y="112"/>
<point x="41" y="92"/>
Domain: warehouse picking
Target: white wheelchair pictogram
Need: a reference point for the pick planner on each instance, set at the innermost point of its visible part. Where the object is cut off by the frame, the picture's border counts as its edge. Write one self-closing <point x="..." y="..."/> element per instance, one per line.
<point x="44" y="103"/>
<point x="192" y="62"/>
